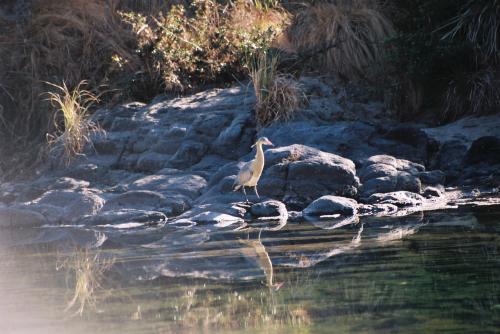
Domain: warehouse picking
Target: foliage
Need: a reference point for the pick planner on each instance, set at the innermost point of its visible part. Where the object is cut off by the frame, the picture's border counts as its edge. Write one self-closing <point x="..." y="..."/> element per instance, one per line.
<point x="444" y="58"/>
<point x="188" y="48"/>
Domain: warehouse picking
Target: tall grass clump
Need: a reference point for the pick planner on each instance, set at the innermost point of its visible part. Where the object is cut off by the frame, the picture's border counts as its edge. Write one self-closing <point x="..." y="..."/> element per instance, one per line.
<point x="278" y="96"/>
<point x="476" y="91"/>
<point x="87" y="271"/>
<point x="73" y="126"/>
<point x="66" y="41"/>
<point x="344" y="37"/>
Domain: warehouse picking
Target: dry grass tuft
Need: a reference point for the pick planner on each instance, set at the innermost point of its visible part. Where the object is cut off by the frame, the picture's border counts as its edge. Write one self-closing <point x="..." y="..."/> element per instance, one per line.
<point x="347" y="36"/>
<point x="89" y="269"/>
<point x="278" y="96"/>
<point x="72" y="123"/>
<point x="474" y="94"/>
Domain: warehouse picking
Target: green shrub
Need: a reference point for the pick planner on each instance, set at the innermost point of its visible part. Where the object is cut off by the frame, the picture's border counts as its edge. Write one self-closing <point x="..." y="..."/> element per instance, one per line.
<point x="185" y="49"/>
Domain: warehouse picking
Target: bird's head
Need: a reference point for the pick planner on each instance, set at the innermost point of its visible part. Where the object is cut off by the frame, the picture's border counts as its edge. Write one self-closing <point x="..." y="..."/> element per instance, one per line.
<point x="263" y="141"/>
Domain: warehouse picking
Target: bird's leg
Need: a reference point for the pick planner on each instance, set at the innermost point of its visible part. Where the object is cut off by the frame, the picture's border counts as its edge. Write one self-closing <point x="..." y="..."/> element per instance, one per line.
<point x="243" y="187"/>
<point x="256" y="193"/>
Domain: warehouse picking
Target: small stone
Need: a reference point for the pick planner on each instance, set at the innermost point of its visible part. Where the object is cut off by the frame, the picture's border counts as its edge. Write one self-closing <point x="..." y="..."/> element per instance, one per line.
<point x="331" y="205"/>
<point x="269" y="209"/>
<point x="430" y="192"/>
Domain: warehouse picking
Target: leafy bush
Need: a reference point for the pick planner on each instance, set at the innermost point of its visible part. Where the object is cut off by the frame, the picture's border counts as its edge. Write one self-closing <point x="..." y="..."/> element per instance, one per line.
<point x="188" y="48"/>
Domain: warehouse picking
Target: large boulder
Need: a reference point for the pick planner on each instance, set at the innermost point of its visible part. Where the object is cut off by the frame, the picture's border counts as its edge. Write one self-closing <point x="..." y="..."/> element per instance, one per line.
<point x="299" y="174"/>
<point x="385" y="173"/>
<point x="485" y="150"/>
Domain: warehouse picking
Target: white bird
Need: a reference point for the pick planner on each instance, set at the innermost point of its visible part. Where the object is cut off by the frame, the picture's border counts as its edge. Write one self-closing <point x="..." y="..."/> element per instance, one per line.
<point x="251" y="171"/>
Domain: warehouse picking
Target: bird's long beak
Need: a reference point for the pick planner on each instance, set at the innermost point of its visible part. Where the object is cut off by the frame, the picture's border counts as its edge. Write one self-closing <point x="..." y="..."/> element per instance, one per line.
<point x="269" y="143"/>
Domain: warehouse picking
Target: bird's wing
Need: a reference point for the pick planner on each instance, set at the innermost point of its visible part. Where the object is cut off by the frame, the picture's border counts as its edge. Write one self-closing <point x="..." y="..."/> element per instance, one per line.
<point x="245" y="173"/>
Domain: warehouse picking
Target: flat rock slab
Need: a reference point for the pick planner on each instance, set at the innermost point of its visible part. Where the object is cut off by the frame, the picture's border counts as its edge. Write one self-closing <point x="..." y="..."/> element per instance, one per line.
<point x="67" y="206"/>
<point x="135" y="199"/>
<point x="125" y="216"/>
<point x="189" y="185"/>
<point x="19" y="218"/>
<point x="216" y="218"/>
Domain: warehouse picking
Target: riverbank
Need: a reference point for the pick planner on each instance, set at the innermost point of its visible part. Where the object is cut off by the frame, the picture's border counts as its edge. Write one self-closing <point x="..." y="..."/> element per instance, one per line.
<point x="174" y="161"/>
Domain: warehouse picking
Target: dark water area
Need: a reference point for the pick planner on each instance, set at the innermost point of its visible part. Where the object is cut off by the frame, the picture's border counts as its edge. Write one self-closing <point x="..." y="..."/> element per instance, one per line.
<point x="433" y="272"/>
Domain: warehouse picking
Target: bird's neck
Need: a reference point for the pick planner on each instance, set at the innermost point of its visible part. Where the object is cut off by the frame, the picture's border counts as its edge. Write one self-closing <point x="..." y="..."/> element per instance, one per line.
<point x="260" y="153"/>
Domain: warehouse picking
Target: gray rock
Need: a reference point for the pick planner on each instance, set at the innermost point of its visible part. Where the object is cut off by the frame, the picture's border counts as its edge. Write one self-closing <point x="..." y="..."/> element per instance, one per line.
<point x="331" y="205"/>
<point x="398" y="198"/>
<point x="125" y="216"/>
<point x="379" y="185"/>
<point x="166" y="146"/>
<point x="138" y="199"/>
<point x="235" y="140"/>
<point x="398" y="164"/>
<point x="385" y="173"/>
<point x="188" y="154"/>
<point x="449" y="158"/>
<point x="20" y="218"/>
<point x="308" y="174"/>
<point x="189" y="185"/>
<point x="434" y="177"/>
<point x="67" y="206"/>
<point x="377" y="209"/>
<point x="484" y="150"/>
<point x="269" y="208"/>
<point x="151" y="162"/>
<point x="216" y="218"/>
<point x="90" y="172"/>
<point x="124" y="124"/>
<point x="408" y="182"/>
<point x="430" y="192"/>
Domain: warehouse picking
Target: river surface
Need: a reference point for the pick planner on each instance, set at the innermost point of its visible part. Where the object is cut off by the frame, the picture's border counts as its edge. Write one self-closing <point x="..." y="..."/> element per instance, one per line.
<point x="433" y="272"/>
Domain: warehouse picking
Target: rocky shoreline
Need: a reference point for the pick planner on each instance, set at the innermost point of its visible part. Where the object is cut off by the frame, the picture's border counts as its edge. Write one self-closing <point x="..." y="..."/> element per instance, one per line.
<point x="174" y="161"/>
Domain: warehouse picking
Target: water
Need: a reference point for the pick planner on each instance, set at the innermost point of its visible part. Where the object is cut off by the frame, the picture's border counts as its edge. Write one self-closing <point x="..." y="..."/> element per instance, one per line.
<point x="426" y="273"/>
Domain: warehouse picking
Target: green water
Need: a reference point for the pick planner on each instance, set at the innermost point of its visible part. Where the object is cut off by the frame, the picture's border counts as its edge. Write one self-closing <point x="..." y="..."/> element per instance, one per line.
<point x="428" y="273"/>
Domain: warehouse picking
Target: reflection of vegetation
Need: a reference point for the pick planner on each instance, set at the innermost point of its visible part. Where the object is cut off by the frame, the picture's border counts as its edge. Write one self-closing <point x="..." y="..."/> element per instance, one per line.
<point x="88" y="269"/>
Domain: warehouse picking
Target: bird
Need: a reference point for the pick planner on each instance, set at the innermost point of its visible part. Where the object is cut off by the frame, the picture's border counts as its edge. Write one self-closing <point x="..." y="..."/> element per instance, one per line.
<point x="251" y="171"/>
